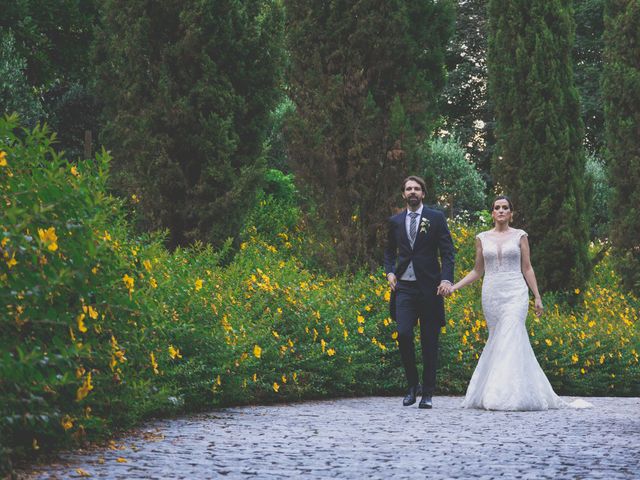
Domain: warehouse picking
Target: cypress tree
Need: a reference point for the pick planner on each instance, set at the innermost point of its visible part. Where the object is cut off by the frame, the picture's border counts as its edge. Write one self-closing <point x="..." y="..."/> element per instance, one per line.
<point x="621" y="90"/>
<point x="539" y="160"/>
<point x="188" y="87"/>
<point x="364" y="77"/>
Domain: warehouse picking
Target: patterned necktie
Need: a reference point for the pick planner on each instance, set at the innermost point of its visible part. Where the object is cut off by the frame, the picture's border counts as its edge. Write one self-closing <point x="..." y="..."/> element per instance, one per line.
<point x="413" y="227"/>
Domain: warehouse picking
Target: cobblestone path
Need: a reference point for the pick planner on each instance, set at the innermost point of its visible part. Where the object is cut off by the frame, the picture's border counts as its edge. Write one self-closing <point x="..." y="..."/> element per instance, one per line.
<point x="373" y="438"/>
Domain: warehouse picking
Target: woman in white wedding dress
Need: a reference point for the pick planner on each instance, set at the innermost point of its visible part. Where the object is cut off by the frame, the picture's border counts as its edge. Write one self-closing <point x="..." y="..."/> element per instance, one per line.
<point x="508" y="376"/>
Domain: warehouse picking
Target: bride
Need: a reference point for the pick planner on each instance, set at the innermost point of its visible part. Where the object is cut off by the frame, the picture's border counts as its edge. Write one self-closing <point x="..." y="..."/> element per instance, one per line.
<point x="508" y="376"/>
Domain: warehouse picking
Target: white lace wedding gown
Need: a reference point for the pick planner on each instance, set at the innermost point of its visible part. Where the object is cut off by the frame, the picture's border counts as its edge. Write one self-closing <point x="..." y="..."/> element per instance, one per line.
<point x="508" y="376"/>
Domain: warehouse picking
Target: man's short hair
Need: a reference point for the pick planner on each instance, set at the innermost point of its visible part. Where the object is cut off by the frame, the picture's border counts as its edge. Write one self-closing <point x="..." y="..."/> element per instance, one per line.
<point x="416" y="179"/>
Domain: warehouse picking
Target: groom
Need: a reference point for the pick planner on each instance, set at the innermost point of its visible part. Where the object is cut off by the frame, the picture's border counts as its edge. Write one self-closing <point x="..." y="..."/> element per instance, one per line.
<point x="416" y="238"/>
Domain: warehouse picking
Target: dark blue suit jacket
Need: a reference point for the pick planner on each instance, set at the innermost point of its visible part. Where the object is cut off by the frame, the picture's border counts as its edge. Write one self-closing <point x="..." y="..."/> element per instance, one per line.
<point x="432" y="253"/>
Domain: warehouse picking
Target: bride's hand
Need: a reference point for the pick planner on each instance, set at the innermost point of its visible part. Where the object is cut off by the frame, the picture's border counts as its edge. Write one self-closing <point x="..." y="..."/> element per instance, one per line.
<point x="538" y="307"/>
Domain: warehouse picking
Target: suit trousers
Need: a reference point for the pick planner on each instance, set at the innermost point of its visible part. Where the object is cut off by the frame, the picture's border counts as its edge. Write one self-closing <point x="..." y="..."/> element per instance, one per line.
<point x="411" y="305"/>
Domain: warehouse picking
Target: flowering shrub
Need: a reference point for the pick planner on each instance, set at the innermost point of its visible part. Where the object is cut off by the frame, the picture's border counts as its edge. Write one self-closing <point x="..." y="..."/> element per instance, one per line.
<point x="101" y="329"/>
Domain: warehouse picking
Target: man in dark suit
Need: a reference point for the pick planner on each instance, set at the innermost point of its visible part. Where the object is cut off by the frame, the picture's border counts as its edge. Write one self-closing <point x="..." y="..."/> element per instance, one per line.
<point x="419" y="280"/>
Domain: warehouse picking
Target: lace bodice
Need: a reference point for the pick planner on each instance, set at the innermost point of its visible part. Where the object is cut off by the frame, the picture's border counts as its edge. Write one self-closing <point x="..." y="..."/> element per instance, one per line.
<point x="501" y="251"/>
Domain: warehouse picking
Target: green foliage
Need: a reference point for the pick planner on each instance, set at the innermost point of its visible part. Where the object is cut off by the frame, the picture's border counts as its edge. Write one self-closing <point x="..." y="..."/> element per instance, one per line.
<point x="73" y="109"/>
<point x="457" y="182"/>
<point x="53" y="37"/>
<point x="276" y="209"/>
<point x="364" y="77"/>
<point x="16" y="95"/>
<point x="601" y="193"/>
<point x="63" y="298"/>
<point x="588" y="66"/>
<point x="53" y="41"/>
<point x="539" y="160"/>
<point x="621" y="87"/>
<point x="466" y="106"/>
<point x="100" y="330"/>
<point x="187" y="119"/>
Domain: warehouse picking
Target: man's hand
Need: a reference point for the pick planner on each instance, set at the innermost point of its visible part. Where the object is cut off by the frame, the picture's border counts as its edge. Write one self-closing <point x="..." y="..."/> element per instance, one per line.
<point x="391" y="278"/>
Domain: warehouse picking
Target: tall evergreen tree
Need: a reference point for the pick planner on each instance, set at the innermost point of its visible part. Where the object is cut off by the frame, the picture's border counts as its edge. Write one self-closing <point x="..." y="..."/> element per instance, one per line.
<point x="188" y="87"/>
<point x="587" y="58"/>
<point x="539" y="159"/>
<point x="364" y="77"/>
<point x="466" y="106"/>
<point x="621" y="88"/>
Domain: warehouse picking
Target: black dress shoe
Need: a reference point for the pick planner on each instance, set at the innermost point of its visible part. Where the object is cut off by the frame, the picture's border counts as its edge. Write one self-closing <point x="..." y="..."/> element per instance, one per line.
<point x="410" y="398"/>
<point x="426" y="402"/>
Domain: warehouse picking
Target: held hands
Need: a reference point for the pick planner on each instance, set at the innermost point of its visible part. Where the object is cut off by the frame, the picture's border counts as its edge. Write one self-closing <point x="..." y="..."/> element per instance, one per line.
<point x="445" y="288"/>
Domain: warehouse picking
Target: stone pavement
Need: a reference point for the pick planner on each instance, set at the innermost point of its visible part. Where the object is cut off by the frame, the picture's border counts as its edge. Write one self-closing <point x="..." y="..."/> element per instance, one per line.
<point x="373" y="438"/>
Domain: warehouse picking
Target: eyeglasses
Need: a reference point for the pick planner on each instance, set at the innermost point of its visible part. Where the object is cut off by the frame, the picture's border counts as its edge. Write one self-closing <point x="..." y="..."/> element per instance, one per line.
<point x="503" y="207"/>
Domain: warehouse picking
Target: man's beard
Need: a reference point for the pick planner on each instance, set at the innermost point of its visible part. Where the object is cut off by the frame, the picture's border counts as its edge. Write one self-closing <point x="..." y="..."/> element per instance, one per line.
<point x="413" y="201"/>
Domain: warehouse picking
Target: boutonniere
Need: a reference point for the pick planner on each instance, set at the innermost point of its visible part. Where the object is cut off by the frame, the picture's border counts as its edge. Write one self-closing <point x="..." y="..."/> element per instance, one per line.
<point x="424" y="224"/>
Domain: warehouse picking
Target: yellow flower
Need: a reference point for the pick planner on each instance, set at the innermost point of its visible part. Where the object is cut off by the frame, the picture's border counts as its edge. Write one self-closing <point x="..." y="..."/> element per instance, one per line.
<point x="92" y="313"/>
<point x="331" y="352"/>
<point x="284" y="379"/>
<point x="154" y="364"/>
<point x="276" y="387"/>
<point x="66" y="422"/>
<point x="121" y="460"/>
<point x="577" y="291"/>
<point x="74" y="171"/>
<point x="257" y="351"/>
<point x="574" y="358"/>
<point x="394" y="335"/>
<point x="147" y="265"/>
<point x="174" y="352"/>
<point x="360" y="329"/>
<point x="85" y="388"/>
<point x="49" y="238"/>
<point x="360" y="319"/>
<point x="345" y="334"/>
<point x="81" y="326"/>
<point x="12" y="262"/>
<point x="218" y="380"/>
<point x="3" y="159"/>
<point x="548" y="342"/>
<point x="128" y="281"/>
<point x="387" y="295"/>
<point x="198" y="285"/>
<point x="153" y="282"/>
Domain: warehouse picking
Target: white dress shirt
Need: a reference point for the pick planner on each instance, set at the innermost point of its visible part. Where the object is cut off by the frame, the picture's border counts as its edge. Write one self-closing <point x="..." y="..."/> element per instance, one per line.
<point x="409" y="274"/>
